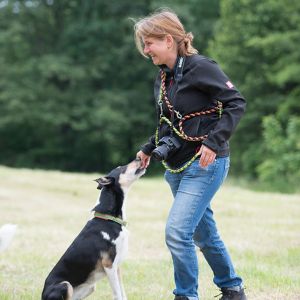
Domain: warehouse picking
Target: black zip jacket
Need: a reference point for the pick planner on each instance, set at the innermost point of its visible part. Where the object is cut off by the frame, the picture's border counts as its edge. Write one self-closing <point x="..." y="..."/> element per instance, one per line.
<point x="202" y="85"/>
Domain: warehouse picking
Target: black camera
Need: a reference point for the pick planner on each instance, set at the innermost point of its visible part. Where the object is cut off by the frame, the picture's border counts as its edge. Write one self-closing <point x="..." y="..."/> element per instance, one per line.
<point x="166" y="146"/>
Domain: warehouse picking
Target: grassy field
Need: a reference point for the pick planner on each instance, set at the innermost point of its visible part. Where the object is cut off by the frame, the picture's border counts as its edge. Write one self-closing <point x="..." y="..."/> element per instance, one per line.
<point x="261" y="230"/>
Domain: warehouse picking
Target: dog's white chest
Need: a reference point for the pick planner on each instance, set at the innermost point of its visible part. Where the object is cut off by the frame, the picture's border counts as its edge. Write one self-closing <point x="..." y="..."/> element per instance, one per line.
<point x="121" y="246"/>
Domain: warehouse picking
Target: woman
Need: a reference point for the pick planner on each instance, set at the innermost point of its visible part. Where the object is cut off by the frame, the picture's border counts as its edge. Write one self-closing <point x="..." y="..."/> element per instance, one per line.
<point x="198" y="109"/>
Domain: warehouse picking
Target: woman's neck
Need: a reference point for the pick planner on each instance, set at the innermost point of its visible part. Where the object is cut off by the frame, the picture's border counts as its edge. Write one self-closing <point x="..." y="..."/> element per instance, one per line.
<point x="171" y="61"/>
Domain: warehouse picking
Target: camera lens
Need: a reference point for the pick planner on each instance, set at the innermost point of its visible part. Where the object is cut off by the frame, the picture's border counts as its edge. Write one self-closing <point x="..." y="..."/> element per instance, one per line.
<point x="157" y="154"/>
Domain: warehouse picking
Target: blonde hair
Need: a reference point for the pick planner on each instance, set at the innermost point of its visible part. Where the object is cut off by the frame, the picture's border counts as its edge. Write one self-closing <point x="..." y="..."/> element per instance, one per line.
<point x="158" y="25"/>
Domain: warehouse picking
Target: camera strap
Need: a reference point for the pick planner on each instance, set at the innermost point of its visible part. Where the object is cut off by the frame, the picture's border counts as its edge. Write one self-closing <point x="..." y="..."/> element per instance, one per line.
<point x="177" y="78"/>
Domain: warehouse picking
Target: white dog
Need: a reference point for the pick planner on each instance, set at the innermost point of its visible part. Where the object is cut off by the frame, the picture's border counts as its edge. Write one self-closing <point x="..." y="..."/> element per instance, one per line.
<point x="7" y="233"/>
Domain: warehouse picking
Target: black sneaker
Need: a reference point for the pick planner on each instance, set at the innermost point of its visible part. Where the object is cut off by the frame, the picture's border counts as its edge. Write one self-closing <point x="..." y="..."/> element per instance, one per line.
<point x="228" y="294"/>
<point x="181" y="298"/>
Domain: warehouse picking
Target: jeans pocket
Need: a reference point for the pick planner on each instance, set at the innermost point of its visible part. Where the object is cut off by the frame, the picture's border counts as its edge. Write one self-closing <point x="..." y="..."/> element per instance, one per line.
<point x="196" y="170"/>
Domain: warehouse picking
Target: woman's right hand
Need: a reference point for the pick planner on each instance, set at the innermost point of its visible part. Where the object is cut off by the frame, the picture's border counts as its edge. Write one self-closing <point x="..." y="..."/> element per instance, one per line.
<point x="145" y="159"/>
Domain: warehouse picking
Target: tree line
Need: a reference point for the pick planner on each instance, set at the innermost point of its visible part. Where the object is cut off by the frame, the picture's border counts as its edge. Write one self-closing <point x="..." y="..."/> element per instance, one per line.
<point x="76" y="95"/>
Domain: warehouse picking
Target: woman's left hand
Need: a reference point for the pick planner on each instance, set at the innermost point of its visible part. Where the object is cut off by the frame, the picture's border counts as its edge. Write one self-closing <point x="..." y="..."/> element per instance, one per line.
<point x="207" y="156"/>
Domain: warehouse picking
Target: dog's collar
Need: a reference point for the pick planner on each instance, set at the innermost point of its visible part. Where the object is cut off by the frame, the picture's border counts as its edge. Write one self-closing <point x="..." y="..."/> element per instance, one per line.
<point x="109" y="217"/>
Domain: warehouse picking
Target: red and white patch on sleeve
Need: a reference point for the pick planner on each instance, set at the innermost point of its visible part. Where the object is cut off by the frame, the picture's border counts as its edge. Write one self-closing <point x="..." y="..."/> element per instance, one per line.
<point x="229" y="84"/>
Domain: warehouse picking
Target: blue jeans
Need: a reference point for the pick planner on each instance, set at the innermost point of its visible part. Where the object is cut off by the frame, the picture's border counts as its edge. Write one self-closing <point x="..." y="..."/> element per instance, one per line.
<point x="191" y="223"/>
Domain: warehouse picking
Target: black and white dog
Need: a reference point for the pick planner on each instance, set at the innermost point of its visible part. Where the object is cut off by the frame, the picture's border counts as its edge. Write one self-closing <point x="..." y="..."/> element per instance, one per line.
<point x="100" y="246"/>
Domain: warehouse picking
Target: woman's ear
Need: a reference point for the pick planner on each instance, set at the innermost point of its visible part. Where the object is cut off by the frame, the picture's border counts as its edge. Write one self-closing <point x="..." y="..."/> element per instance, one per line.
<point x="169" y="41"/>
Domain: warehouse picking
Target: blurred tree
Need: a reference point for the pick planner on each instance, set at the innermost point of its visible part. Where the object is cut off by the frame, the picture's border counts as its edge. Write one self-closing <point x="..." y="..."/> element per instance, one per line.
<point x="76" y="95"/>
<point x="70" y="91"/>
<point x="280" y="168"/>
<point x="74" y="92"/>
<point x="257" y="44"/>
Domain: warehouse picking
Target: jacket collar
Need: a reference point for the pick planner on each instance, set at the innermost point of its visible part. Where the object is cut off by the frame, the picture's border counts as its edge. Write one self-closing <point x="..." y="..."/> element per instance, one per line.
<point x="167" y="70"/>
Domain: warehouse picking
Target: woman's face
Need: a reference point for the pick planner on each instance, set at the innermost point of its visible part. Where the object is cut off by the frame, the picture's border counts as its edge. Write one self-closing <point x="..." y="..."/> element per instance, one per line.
<point x="157" y="49"/>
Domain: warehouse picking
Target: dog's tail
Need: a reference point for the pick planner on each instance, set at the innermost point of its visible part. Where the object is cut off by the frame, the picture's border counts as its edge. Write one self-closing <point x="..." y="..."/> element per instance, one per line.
<point x="59" y="291"/>
<point x="7" y="233"/>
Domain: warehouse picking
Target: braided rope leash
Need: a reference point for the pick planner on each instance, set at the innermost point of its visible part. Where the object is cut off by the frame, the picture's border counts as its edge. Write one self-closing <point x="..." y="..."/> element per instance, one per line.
<point x="175" y="171"/>
<point x="164" y="119"/>
<point x="163" y="97"/>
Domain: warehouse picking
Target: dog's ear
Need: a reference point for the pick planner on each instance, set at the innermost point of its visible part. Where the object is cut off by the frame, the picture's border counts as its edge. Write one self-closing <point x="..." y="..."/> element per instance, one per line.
<point x="103" y="181"/>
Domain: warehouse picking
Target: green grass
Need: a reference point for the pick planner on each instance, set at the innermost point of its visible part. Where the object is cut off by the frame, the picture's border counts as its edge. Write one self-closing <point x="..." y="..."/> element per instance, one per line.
<point x="261" y="230"/>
